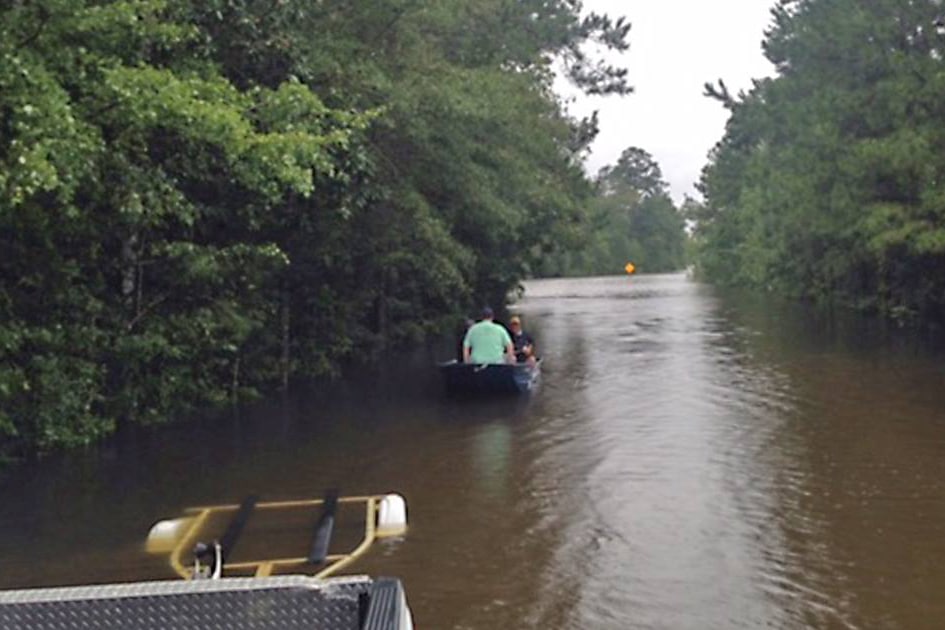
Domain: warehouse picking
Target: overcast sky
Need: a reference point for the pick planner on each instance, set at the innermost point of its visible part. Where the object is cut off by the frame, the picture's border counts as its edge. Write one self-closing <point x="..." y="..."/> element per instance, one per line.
<point x="675" y="47"/>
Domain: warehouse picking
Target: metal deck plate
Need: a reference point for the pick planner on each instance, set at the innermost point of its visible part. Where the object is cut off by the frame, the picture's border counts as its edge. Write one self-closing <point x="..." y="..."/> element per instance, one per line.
<point x="287" y="602"/>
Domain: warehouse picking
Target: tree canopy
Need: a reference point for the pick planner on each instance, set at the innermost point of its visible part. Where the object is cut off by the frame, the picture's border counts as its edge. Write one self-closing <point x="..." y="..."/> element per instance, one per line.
<point x="829" y="182"/>
<point x="632" y="218"/>
<point x="199" y="199"/>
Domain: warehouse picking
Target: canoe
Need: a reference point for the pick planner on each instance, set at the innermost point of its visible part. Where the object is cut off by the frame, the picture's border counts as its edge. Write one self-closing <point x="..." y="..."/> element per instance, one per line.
<point x="491" y="378"/>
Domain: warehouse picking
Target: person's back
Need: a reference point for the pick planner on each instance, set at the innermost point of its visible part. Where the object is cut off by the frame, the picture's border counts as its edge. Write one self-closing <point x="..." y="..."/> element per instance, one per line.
<point x="487" y="342"/>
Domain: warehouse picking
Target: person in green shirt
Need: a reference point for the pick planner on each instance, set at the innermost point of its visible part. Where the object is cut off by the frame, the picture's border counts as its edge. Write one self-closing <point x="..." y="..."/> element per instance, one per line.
<point x="488" y="342"/>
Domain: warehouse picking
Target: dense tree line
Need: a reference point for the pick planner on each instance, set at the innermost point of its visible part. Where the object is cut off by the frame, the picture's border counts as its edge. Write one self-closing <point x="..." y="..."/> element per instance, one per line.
<point x="199" y="199"/>
<point x="631" y="218"/>
<point x="830" y="180"/>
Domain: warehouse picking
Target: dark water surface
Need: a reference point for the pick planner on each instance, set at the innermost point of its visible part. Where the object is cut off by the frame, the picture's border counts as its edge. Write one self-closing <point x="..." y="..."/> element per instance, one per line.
<point x="691" y="460"/>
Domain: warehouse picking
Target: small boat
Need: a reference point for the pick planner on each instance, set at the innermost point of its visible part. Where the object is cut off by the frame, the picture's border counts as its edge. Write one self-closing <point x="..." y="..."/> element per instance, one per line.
<point x="293" y="589"/>
<point x="490" y="378"/>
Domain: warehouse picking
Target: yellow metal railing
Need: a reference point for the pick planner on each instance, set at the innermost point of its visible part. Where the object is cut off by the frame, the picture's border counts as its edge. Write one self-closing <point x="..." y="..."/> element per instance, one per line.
<point x="333" y="562"/>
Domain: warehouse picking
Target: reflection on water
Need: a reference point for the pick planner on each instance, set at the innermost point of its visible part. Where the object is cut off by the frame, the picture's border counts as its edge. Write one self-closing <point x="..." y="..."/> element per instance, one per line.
<point x="491" y="451"/>
<point x="692" y="459"/>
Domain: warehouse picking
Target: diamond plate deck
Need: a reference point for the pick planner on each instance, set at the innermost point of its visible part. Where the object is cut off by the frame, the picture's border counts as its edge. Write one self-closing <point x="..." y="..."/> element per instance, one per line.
<point x="283" y="603"/>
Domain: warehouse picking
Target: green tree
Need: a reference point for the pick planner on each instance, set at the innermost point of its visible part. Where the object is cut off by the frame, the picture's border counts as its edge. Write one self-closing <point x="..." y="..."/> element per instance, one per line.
<point x="132" y="175"/>
<point x="200" y="200"/>
<point x="827" y="183"/>
<point x="632" y="218"/>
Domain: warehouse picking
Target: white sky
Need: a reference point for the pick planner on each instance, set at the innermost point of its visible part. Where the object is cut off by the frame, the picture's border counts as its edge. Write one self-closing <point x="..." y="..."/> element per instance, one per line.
<point x="676" y="46"/>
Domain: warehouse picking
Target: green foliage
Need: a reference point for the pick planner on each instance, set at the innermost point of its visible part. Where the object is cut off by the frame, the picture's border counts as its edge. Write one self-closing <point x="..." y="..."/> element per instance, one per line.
<point x="199" y="200"/>
<point x="828" y="183"/>
<point x="632" y="219"/>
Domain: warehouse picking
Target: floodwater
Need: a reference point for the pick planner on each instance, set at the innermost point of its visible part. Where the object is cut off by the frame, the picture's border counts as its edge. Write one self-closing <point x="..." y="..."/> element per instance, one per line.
<point x="692" y="459"/>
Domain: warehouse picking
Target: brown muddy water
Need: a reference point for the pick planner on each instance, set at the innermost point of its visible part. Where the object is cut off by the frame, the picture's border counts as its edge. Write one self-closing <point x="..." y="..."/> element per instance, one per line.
<point x="692" y="459"/>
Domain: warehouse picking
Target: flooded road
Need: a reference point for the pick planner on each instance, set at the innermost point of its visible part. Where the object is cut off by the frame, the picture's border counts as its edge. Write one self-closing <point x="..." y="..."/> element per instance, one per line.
<point x="691" y="460"/>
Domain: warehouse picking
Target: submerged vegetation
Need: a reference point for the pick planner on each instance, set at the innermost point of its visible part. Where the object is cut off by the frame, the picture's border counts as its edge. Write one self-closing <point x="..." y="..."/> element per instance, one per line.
<point x="199" y="199"/>
<point x="830" y="180"/>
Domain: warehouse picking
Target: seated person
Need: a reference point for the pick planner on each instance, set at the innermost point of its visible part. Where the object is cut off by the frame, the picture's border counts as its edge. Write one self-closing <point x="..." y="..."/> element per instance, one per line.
<point x="523" y="342"/>
<point x="487" y="342"/>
